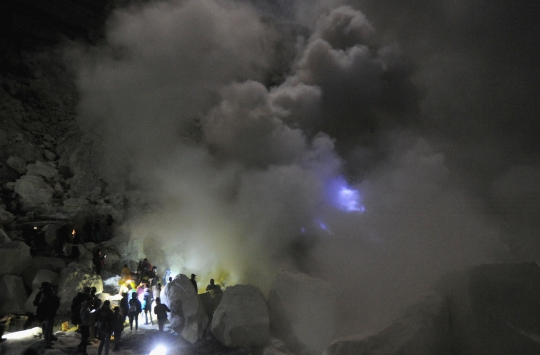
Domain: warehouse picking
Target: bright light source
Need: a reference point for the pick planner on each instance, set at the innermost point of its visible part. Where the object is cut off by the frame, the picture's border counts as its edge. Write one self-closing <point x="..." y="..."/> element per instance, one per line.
<point x="28" y="333"/>
<point x="159" y="350"/>
<point x="343" y="197"/>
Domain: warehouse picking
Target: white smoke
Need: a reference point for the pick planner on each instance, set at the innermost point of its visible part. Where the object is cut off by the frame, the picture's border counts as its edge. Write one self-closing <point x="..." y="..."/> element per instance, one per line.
<point x="239" y="172"/>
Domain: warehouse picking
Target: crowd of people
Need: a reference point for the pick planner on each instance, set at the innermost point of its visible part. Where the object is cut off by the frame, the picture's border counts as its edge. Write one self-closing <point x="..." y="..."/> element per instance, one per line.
<point x="99" y="321"/>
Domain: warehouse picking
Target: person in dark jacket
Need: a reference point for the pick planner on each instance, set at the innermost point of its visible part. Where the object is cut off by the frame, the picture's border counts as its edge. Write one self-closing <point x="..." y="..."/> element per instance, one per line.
<point x="99" y="261"/>
<point x="124" y="305"/>
<point x="134" y="311"/>
<point x="75" y="241"/>
<point x="76" y="305"/>
<point x="161" y="312"/>
<point x="84" y="325"/>
<point x="105" y="326"/>
<point x="118" y="327"/>
<point x="46" y="311"/>
<point x="194" y="282"/>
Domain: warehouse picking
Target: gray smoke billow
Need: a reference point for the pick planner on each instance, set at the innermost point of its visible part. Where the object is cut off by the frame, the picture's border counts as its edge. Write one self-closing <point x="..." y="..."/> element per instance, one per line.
<point x="244" y="171"/>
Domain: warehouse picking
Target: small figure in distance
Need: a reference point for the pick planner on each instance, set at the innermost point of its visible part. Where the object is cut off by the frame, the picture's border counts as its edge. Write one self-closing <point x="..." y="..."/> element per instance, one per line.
<point x="194" y="282"/>
<point x="213" y="288"/>
<point x="134" y="310"/>
<point x="148" y="299"/>
<point x="161" y="311"/>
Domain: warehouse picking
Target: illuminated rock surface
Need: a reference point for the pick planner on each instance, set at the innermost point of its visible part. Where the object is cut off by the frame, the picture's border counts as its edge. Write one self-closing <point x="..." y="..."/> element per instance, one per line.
<point x="241" y="319"/>
<point x="33" y="190"/>
<point x="73" y="279"/>
<point x="302" y="311"/>
<point x="187" y="317"/>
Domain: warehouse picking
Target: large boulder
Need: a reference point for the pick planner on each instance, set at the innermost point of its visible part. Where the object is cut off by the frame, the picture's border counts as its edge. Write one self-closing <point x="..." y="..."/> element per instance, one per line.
<point x="241" y="319"/>
<point x="33" y="190"/>
<point x="73" y="279"/>
<point x="420" y="331"/>
<point x="45" y="170"/>
<point x="39" y="263"/>
<point x="487" y="310"/>
<point x="13" y="295"/>
<point x="188" y="317"/>
<point x="302" y="311"/>
<point x="15" y="256"/>
<point x="43" y="275"/>
<point x="17" y="164"/>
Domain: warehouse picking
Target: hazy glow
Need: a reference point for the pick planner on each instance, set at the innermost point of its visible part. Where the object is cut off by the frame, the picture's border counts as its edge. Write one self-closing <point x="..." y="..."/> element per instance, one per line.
<point x="344" y="197"/>
<point x="159" y="350"/>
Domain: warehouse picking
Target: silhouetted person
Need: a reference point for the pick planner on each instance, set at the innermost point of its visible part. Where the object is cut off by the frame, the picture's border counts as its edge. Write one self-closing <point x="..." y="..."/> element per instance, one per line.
<point x="161" y="312"/>
<point x="99" y="261"/>
<point x="46" y="312"/>
<point x="62" y="234"/>
<point x="105" y="326"/>
<point x="75" y="241"/>
<point x="148" y="299"/>
<point x="213" y="288"/>
<point x="84" y="325"/>
<point x="194" y="282"/>
<point x="118" y="327"/>
<point x="134" y="311"/>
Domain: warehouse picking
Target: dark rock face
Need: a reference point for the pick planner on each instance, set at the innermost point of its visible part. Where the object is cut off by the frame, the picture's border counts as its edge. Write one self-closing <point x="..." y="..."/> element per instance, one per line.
<point x="490" y="309"/>
<point x="27" y="24"/>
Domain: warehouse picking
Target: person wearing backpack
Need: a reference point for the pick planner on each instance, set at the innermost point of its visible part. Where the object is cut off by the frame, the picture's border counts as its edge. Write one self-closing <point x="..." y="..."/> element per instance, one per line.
<point x="76" y="305"/>
<point x="84" y="325"/>
<point x="148" y="299"/>
<point x="134" y="311"/>
<point x="161" y="311"/>
<point x="104" y="326"/>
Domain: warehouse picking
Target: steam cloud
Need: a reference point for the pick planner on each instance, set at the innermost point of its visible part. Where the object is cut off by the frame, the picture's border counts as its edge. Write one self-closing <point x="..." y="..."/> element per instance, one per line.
<point x="239" y="167"/>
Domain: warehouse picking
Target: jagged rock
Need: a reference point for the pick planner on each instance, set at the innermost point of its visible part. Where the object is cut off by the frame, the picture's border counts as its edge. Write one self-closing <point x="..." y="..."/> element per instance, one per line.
<point x="38" y="264"/>
<point x="49" y="155"/>
<point x="76" y="202"/>
<point x="15" y="257"/>
<point x="17" y="164"/>
<point x="73" y="279"/>
<point x="13" y="295"/>
<point x="241" y="319"/>
<point x="420" y="331"/>
<point x="42" y="275"/>
<point x="42" y="169"/>
<point x="302" y="311"/>
<point x="33" y="190"/>
<point x="6" y="217"/>
<point x="487" y="310"/>
<point x="187" y="317"/>
<point x="4" y="238"/>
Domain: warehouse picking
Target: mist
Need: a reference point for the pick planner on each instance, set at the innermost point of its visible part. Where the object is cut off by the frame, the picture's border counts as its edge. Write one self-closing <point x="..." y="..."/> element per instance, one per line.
<point x="244" y="173"/>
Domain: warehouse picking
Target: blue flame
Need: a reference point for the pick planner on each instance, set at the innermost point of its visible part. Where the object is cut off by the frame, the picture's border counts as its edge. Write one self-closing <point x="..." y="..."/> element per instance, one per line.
<point x="343" y="197"/>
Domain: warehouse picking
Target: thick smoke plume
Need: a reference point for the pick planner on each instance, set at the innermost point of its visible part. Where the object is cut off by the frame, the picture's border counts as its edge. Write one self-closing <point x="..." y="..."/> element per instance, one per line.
<point x="244" y="170"/>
